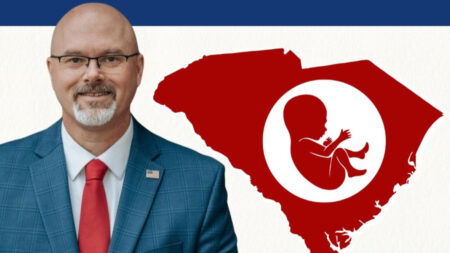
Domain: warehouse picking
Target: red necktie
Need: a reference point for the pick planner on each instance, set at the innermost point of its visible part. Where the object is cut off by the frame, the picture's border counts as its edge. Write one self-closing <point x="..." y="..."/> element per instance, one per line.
<point x="93" y="235"/>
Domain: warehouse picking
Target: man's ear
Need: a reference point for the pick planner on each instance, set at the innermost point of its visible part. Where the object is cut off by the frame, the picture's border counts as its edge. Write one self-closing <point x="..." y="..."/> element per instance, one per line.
<point x="140" y="68"/>
<point x="49" y="64"/>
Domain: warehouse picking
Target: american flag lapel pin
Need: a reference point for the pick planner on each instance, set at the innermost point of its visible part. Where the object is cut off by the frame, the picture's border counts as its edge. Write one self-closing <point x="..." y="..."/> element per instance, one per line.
<point x="154" y="174"/>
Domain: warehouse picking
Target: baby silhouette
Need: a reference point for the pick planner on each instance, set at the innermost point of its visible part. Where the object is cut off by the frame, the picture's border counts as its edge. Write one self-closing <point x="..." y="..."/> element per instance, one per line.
<point x="324" y="165"/>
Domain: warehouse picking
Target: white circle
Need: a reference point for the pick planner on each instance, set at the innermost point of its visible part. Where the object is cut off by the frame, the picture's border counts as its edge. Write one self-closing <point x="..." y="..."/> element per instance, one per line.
<point x="347" y="108"/>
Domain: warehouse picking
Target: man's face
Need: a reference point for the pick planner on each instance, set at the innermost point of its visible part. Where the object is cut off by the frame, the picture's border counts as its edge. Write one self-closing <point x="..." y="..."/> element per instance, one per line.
<point x="94" y="91"/>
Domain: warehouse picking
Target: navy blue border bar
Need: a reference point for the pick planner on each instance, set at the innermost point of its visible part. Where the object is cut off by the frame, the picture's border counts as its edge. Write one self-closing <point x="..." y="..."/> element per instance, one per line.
<point x="242" y="12"/>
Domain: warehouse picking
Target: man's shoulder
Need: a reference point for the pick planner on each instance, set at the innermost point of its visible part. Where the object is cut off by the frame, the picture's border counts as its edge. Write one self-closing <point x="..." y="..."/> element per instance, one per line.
<point x="179" y="156"/>
<point x="18" y="153"/>
<point x="24" y="144"/>
<point x="183" y="155"/>
<point x="21" y="147"/>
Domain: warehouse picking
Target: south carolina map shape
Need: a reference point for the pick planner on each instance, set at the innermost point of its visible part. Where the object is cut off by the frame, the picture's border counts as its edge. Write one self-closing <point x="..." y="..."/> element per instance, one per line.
<point x="228" y="97"/>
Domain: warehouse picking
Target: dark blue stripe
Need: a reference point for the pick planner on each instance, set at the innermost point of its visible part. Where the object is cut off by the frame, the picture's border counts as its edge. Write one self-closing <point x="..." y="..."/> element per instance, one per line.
<point x="241" y="12"/>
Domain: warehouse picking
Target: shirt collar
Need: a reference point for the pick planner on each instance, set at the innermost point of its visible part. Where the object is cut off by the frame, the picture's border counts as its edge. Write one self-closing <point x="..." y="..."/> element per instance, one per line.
<point x="116" y="157"/>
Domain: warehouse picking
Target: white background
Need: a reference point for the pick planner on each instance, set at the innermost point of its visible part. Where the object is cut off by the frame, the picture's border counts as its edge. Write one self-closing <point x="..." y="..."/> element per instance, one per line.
<point x="417" y="219"/>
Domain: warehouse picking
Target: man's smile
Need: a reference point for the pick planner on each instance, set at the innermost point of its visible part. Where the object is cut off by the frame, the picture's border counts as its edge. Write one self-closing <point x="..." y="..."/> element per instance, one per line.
<point x="95" y="93"/>
<point x="95" y="99"/>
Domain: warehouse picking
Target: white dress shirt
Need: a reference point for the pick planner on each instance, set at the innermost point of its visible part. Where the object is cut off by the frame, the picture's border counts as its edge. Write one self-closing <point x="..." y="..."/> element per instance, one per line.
<point x="116" y="158"/>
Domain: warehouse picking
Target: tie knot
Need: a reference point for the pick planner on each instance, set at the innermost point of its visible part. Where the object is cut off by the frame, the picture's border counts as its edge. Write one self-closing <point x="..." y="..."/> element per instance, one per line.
<point x="95" y="170"/>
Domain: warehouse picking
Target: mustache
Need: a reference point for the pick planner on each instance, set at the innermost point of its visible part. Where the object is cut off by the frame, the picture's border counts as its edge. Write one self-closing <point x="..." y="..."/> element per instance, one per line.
<point x="93" y="88"/>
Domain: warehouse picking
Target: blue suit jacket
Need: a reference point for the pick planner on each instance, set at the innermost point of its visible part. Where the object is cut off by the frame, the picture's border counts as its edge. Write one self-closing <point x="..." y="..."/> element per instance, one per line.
<point x="185" y="210"/>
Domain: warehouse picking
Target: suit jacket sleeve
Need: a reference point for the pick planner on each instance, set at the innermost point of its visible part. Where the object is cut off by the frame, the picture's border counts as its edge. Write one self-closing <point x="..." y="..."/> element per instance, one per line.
<point x="217" y="233"/>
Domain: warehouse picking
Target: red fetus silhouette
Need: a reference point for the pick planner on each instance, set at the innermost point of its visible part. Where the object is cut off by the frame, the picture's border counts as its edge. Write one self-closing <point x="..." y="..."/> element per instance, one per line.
<point x="324" y="165"/>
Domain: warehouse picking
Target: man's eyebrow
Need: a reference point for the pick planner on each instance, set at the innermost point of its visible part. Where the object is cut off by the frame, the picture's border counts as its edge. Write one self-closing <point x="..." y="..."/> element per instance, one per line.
<point x="108" y="51"/>
<point x="72" y="52"/>
<point x="113" y="51"/>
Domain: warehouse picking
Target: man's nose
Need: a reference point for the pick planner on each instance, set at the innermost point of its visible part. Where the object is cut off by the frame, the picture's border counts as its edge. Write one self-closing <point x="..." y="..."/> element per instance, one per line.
<point x="93" y="72"/>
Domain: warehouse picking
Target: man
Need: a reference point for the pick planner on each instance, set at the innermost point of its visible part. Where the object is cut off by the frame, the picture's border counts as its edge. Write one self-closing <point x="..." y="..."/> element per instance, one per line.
<point x="97" y="181"/>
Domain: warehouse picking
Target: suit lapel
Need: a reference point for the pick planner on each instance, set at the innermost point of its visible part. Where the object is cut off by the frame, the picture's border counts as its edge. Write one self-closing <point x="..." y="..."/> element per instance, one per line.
<point x="138" y="191"/>
<point x="49" y="178"/>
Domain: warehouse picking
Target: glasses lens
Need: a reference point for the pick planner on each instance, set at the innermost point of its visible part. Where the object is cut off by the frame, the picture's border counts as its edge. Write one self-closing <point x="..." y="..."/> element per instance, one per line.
<point x="111" y="61"/>
<point x="73" y="61"/>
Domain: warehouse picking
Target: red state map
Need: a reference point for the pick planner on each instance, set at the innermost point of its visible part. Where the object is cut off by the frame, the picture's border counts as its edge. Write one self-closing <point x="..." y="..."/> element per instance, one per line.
<point x="228" y="97"/>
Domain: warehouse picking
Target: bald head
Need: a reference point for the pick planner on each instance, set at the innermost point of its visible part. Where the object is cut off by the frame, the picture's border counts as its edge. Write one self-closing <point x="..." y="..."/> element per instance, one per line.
<point x="93" y="21"/>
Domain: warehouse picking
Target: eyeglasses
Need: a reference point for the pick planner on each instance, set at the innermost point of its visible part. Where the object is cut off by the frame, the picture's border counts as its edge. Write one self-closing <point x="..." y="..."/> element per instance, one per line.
<point x="108" y="62"/>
